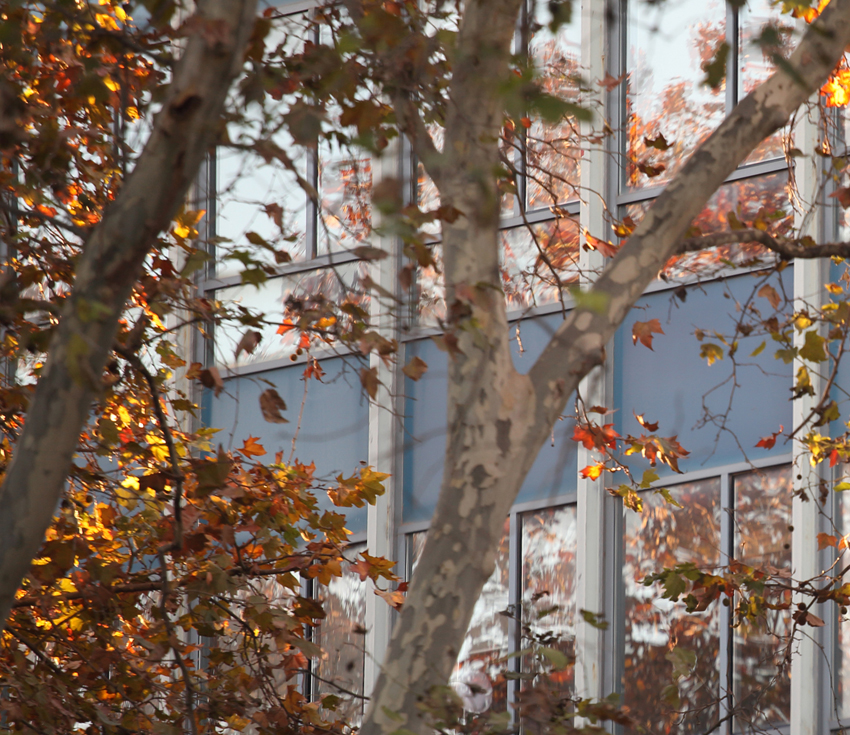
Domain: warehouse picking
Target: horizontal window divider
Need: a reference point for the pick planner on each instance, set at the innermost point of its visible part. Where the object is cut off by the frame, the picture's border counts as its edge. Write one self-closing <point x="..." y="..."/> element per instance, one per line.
<point x="320" y="263"/>
<point x="536" y="216"/>
<point x="747" y="171"/>
<point x="262" y="366"/>
<point x="727" y="469"/>
<point x="405" y="529"/>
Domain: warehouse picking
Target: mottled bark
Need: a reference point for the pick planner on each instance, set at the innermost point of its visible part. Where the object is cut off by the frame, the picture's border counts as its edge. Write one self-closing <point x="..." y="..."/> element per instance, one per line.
<point x="109" y="267"/>
<point x="497" y="418"/>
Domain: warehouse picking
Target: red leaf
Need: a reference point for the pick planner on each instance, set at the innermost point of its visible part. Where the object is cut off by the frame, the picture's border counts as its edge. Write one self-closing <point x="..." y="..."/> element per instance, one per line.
<point x="769" y="441"/>
<point x="644" y="423"/>
<point x="608" y="249"/>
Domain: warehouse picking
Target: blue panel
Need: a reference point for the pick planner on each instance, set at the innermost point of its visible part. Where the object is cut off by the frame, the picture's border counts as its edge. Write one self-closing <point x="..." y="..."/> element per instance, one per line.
<point x="554" y="470"/>
<point x="425" y="432"/>
<point x="553" y="473"/>
<point x="334" y="429"/>
<point x="669" y="384"/>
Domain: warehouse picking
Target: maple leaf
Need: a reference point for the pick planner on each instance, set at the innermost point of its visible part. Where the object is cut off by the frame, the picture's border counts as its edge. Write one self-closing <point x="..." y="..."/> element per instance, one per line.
<point x="769" y="292"/>
<point x="825" y="540"/>
<point x="644" y="423"/>
<point x="252" y="448"/>
<point x="643" y="331"/>
<point x="842" y="195"/>
<point x="608" y="249"/>
<point x="593" y="471"/>
<point x="768" y="442"/>
<point x="415" y="369"/>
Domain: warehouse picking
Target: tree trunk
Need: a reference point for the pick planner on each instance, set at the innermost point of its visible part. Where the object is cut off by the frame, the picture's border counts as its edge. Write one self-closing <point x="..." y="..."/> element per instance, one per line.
<point x="108" y="269"/>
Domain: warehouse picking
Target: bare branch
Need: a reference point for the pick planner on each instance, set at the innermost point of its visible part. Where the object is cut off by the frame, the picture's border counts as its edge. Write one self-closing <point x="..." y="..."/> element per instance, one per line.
<point x="786" y="249"/>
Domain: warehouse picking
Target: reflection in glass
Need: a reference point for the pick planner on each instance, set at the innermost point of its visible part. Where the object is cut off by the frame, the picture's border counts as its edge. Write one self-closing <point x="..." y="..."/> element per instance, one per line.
<point x="341" y="636"/>
<point x="258" y="195"/>
<point x="263" y="199"/>
<point x="842" y="652"/>
<point x="754" y="201"/>
<point x="760" y="21"/>
<point x="478" y="677"/>
<point x="538" y="261"/>
<point x="658" y="537"/>
<point x="548" y="599"/>
<point x="762" y="691"/>
<point x="667" y="45"/>
<point x="345" y="192"/>
<point x="314" y="289"/>
<point x="552" y="153"/>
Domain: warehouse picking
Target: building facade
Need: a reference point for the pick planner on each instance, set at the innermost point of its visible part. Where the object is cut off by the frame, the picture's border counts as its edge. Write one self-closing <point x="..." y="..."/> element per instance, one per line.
<point x="570" y="547"/>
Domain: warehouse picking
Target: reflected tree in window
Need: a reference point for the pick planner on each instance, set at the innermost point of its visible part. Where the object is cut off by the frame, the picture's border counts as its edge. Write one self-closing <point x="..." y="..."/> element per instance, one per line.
<point x="660" y="636"/>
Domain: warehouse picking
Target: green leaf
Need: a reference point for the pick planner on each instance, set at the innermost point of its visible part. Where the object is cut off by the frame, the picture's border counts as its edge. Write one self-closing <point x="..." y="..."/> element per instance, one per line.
<point x="665" y="493"/>
<point x="555" y="657"/>
<point x="715" y="70"/>
<point x="591" y="300"/>
<point x="594" y="619"/>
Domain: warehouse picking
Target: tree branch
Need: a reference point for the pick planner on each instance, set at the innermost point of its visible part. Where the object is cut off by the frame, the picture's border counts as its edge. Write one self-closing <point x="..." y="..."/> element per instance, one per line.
<point x="786" y="249"/>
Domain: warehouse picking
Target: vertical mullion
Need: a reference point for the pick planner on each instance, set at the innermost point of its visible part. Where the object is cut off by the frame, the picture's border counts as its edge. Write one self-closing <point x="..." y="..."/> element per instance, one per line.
<point x="727" y="542"/>
<point x="732" y="60"/>
<point x="514" y="605"/>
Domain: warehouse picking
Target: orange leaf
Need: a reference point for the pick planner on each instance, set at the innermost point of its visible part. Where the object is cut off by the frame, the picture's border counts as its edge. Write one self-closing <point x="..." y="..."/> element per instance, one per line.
<point x="593" y="471"/>
<point x="769" y="441"/>
<point x="644" y="423"/>
<point x="252" y="448"/>
<point x="824" y="540"/>
<point x="608" y="249"/>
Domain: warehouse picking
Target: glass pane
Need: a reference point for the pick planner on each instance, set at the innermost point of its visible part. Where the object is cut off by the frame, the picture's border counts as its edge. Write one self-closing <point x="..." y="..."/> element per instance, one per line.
<point x="263" y="199"/>
<point x="763" y="540"/>
<point x="274" y="298"/>
<point x="478" y="678"/>
<point x="538" y="261"/>
<point x="662" y="536"/>
<point x="342" y="636"/>
<point x="667" y="44"/>
<point x="762" y="200"/>
<point x="760" y="23"/>
<point x="258" y="195"/>
<point x="345" y="192"/>
<point x="842" y="651"/>
<point x="548" y="598"/>
<point x="553" y="153"/>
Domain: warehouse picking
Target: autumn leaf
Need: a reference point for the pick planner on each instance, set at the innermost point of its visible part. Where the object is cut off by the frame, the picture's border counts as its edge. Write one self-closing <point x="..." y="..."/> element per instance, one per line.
<point x="769" y="292"/>
<point x="643" y="332"/>
<point x="211" y="378"/>
<point x="415" y="369"/>
<point x="367" y="252"/>
<point x="842" y="195"/>
<point x="248" y="343"/>
<point x="825" y="540"/>
<point x="649" y="426"/>
<point x="659" y="142"/>
<point x="593" y="471"/>
<point x="252" y="448"/>
<point x="313" y="370"/>
<point x="369" y="381"/>
<point x="768" y="442"/>
<point x="271" y="404"/>
<point x="711" y="352"/>
<point x="608" y="249"/>
<point x="609" y="83"/>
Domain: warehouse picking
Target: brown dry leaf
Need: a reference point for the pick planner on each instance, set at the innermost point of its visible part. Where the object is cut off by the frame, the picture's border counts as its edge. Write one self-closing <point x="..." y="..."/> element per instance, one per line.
<point x="248" y="343"/>
<point x="211" y="378"/>
<point x="842" y="195"/>
<point x="643" y="331"/>
<point x="271" y="404"/>
<point x="415" y="369"/>
<point x="769" y="292"/>
<point x="369" y="379"/>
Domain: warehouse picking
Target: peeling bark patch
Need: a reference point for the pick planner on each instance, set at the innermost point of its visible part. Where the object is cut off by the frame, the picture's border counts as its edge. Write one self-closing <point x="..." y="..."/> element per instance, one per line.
<point x="480" y="475"/>
<point x="503" y="436"/>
